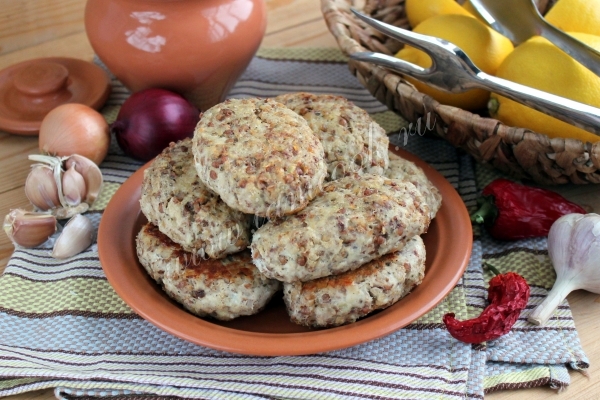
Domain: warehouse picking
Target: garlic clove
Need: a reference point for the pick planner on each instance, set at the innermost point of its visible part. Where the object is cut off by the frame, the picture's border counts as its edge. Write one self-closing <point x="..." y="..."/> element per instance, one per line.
<point x="29" y="229"/>
<point x="585" y="236"/>
<point x="41" y="188"/>
<point x="55" y="163"/>
<point x="77" y="235"/>
<point x="73" y="186"/>
<point x="558" y="238"/>
<point x="91" y="174"/>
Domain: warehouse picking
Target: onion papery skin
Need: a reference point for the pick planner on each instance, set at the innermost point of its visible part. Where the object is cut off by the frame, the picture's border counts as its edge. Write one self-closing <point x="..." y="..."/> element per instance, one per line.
<point x="75" y="128"/>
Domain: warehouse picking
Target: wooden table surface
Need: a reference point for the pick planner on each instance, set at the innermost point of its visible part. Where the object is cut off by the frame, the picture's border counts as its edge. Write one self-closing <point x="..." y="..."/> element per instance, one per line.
<point x="44" y="28"/>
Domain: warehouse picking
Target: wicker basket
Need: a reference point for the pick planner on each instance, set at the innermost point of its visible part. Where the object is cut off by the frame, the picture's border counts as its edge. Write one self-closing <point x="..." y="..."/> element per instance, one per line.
<point x="519" y="152"/>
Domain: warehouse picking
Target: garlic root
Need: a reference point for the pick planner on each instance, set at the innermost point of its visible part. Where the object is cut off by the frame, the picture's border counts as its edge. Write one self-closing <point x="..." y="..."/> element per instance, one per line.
<point x="69" y="212"/>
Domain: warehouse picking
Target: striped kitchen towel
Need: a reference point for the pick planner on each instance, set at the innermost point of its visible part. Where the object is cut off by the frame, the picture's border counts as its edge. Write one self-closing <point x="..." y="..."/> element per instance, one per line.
<point x="62" y="325"/>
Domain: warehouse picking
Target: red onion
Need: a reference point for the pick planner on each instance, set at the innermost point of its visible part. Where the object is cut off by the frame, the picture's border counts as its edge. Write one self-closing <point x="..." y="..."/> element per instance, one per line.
<point x="151" y="119"/>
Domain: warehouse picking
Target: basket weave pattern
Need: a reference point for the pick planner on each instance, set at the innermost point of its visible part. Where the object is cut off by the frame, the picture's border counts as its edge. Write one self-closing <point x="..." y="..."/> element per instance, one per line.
<point x="519" y="152"/>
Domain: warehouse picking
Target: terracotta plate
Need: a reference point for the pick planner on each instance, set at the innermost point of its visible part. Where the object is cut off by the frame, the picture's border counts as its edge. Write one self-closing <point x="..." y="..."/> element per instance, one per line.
<point x="31" y="89"/>
<point x="270" y="333"/>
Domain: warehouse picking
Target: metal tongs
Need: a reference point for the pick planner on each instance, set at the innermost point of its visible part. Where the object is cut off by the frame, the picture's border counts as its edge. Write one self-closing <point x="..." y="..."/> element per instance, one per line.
<point x="519" y="20"/>
<point x="453" y="71"/>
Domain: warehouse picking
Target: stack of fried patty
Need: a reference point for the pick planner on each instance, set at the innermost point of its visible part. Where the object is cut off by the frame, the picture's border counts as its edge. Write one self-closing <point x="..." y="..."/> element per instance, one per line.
<point x="343" y="219"/>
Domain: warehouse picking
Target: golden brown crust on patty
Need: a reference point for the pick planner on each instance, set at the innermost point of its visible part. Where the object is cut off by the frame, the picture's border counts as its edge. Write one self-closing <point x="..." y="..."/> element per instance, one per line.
<point x="224" y="289"/>
<point x="355" y="220"/>
<point x="342" y="299"/>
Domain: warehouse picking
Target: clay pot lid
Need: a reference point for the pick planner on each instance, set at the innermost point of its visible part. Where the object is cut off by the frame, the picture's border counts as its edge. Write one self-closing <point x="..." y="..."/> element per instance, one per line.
<point x="30" y="89"/>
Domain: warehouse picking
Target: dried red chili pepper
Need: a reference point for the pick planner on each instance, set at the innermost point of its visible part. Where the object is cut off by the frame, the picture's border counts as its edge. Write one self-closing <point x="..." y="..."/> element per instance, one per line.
<point x="508" y="295"/>
<point x="512" y="211"/>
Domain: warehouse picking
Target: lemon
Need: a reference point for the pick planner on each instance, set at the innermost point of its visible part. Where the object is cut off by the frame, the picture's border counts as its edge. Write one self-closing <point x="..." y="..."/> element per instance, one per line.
<point x="418" y="11"/>
<point x="576" y="16"/>
<point x="538" y="63"/>
<point x="486" y="48"/>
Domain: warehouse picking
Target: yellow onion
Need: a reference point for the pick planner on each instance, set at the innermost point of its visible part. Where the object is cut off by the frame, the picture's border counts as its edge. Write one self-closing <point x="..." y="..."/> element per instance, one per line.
<point x="75" y="129"/>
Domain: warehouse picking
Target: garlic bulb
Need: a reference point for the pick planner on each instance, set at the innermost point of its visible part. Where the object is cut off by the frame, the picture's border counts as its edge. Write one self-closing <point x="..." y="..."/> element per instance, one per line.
<point x="29" y="229"/>
<point x="65" y="186"/>
<point x="574" y="248"/>
<point x="77" y="235"/>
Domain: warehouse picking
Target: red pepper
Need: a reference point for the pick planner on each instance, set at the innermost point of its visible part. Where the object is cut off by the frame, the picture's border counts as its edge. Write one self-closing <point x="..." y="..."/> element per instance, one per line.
<point x="511" y="211"/>
<point x="508" y="295"/>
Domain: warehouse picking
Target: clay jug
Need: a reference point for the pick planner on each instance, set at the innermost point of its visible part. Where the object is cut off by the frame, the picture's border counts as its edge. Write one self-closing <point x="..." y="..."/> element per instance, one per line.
<point x="198" y="48"/>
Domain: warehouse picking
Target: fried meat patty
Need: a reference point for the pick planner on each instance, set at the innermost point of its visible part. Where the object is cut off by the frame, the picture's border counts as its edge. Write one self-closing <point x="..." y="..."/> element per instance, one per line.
<point x="352" y="141"/>
<point x="175" y="199"/>
<point x="223" y="289"/>
<point x="355" y="220"/>
<point x="342" y="299"/>
<point x="400" y="168"/>
<point x="259" y="156"/>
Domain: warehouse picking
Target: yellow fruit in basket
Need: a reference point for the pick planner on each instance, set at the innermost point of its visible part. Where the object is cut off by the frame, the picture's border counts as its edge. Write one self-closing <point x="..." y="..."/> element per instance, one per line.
<point x="486" y="48"/>
<point x="418" y="11"/>
<point x="576" y="16"/>
<point x="538" y="63"/>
